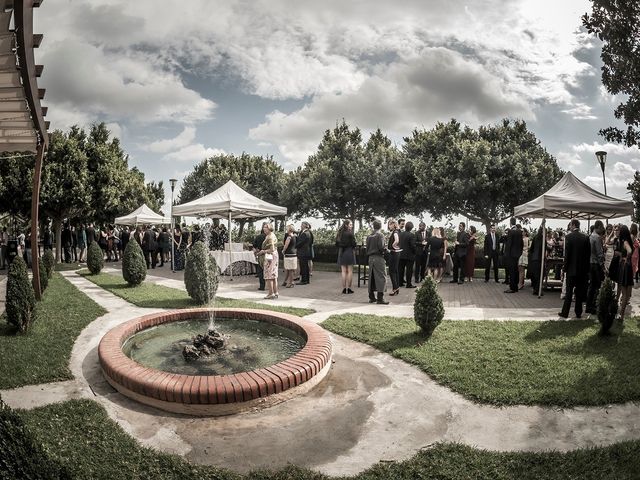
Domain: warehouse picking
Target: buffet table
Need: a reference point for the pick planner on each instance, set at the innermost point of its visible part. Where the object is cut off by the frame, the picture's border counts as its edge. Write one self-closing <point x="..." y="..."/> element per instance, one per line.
<point x="225" y="258"/>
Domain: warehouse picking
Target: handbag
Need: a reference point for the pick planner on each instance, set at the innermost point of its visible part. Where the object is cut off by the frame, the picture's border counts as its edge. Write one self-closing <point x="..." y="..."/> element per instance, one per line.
<point x="268" y="257"/>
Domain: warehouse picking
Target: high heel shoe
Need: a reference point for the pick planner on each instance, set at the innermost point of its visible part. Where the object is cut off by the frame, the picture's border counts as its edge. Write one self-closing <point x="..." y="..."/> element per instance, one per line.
<point x="269" y="297"/>
<point x="290" y="285"/>
<point x="350" y="291"/>
<point x="395" y="292"/>
<point x="344" y="290"/>
<point x="275" y="296"/>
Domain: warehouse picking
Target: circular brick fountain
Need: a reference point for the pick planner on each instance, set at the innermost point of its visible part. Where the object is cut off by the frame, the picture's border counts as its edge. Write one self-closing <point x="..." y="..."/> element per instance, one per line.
<point x="216" y="394"/>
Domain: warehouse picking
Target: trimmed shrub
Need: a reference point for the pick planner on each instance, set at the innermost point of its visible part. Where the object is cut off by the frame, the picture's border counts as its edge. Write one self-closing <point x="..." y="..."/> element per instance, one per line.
<point x="44" y="276"/>
<point x="48" y="261"/>
<point x="95" y="258"/>
<point x="134" y="266"/>
<point x="607" y="306"/>
<point x="201" y="274"/>
<point x="21" y="300"/>
<point x="428" y="310"/>
<point x="20" y="455"/>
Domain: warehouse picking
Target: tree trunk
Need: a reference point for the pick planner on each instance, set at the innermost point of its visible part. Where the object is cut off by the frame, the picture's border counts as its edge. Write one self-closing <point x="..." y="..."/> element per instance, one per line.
<point x="241" y="229"/>
<point x="57" y="227"/>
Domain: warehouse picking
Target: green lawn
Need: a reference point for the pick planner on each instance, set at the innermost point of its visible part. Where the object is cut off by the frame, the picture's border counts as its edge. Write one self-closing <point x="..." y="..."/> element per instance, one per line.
<point x="81" y="436"/>
<point x="508" y="363"/>
<point x="42" y="354"/>
<point x="65" y="267"/>
<point x="150" y="295"/>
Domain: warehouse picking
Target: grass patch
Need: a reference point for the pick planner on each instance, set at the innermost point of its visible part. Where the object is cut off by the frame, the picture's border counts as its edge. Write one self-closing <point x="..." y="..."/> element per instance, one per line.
<point x="150" y="295"/>
<point x="68" y="267"/>
<point x="42" y="354"/>
<point x="508" y="363"/>
<point x="81" y="436"/>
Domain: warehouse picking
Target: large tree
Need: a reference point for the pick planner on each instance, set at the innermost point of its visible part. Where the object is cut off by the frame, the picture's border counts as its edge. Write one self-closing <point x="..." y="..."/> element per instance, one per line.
<point x="634" y="188"/>
<point x="617" y="24"/>
<point x="260" y="176"/>
<point x="65" y="191"/>
<point x="482" y="174"/>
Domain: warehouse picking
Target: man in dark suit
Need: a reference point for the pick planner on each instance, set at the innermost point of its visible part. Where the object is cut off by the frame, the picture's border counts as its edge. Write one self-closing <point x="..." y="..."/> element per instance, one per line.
<point x="460" y="254"/>
<point x="536" y="247"/>
<point x="408" y="254"/>
<point x="491" y="250"/>
<point x="303" y="250"/>
<point x="421" y="253"/>
<point x="512" y="252"/>
<point x="577" y="257"/>
<point x="149" y="247"/>
<point x="91" y="234"/>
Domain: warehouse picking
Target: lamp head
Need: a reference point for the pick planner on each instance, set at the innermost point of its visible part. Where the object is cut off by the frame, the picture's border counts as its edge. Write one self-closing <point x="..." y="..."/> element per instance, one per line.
<point x="173" y="182"/>
<point x="602" y="158"/>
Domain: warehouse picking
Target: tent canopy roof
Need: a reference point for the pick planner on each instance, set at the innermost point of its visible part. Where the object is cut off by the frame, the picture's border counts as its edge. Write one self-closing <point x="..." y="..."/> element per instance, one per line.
<point x="229" y="201"/>
<point x="142" y="214"/>
<point x="571" y="198"/>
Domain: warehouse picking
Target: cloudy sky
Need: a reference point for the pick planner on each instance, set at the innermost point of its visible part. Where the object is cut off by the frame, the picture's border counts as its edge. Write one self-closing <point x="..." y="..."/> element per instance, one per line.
<point x="181" y="81"/>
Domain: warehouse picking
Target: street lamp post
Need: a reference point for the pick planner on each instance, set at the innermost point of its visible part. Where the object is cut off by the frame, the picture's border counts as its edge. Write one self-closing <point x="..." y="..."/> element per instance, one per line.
<point x="173" y="182"/>
<point x="602" y="160"/>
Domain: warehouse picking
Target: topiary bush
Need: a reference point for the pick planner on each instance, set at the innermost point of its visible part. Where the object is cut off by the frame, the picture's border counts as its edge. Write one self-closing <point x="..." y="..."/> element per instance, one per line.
<point x="201" y="274"/>
<point x="134" y="266"/>
<point x="20" y="455"/>
<point x="44" y="276"/>
<point x="428" y="310"/>
<point x="49" y="262"/>
<point x="21" y="300"/>
<point x="95" y="259"/>
<point x="607" y="306"/>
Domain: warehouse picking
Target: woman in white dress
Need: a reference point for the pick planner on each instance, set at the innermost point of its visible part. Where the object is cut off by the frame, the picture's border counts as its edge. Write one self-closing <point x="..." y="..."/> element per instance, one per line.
<point x="523" y="261"/>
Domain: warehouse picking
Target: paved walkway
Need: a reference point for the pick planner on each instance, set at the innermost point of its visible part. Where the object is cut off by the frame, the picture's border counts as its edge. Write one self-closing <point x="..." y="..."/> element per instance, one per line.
<point x="371" y="406"/>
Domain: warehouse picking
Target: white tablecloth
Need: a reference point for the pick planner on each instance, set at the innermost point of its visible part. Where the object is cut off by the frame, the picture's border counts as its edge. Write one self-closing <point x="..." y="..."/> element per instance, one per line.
<point x="224" y="259"/>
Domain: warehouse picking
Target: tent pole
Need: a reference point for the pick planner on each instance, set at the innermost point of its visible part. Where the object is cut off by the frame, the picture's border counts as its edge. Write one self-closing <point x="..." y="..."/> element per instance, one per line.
<point x="542" y="252"/>
<point x="230" y="263"/>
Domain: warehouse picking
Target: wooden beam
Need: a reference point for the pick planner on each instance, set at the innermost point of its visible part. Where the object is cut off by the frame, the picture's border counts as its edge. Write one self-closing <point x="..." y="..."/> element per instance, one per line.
<point x="44" y="111"/>
<point x="41" y="92"/>
<point x="35" y="204"/>
<point x="37" y="39"/>
<point x="39" y="69"/>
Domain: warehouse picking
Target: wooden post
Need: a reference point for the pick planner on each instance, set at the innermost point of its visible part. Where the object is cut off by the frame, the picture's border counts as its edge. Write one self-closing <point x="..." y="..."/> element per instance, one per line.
<point x="35" y="203"/>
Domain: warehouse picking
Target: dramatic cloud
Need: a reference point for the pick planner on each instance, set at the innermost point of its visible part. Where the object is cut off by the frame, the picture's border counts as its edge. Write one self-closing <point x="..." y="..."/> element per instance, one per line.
<point x="183" y="139"/>
<point x="619" y="175"/>
<point x="438" y="85"/>
<point x="193" y="153"/>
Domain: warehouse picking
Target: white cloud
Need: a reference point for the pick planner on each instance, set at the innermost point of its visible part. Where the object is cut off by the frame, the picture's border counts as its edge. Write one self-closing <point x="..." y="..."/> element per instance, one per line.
<point x="182" y="140"/>
<point x="618" y="177"/>
<point x="87" y="81"/>
<point x="612" y="149"/>
<point x="568" y="161"/>
<point x="580" y="111"/>
<point x="193" y="153"/>
<point x="436" y="86"/>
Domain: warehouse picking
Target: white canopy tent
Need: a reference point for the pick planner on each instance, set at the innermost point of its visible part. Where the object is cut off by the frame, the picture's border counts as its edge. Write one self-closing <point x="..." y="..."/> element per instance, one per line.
<point x="142" y="214"/>
<point x="230" y="202"/>
<point x="571" y="198"/>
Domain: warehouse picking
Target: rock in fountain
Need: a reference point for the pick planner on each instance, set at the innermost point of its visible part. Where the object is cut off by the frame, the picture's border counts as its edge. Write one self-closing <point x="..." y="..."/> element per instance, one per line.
<point x="206" y="344"/>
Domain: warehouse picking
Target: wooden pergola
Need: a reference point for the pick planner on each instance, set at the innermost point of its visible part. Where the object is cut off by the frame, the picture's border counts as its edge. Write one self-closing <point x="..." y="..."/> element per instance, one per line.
<point x="22" y="125"/>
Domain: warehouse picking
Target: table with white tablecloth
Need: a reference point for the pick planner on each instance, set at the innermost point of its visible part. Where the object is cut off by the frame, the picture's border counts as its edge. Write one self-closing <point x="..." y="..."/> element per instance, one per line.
<point x="225" y="258"/>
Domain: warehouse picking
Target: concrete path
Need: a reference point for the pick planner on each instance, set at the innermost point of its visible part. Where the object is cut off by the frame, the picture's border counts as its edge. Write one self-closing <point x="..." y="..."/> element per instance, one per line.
<point x="3" y="293"/>
<point x="371" y="407"/>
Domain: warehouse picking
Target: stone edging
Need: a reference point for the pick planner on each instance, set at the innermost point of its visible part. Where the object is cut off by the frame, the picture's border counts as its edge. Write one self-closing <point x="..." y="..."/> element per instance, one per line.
<point x="214" y="394"/>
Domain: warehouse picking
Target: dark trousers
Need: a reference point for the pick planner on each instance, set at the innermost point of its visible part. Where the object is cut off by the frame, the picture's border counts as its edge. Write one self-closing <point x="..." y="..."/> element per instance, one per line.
<point x="596" y="275"/>
<point x="492" y="258"/>
<point x="578" y="283"/>
<point x="458" y="267"/>
<point x="260" y="273"/>
<point x="67" y="254"/>
<point x="405" y="271"/>
<point x="394" y="262"/>
<point x="534" y="273"/>
<point x="304" y="269"/>
<point x="158" y="253"/>
<point x="514" y="274"/>
<point x="420" y="267"/>
<point x="150" y="258"/>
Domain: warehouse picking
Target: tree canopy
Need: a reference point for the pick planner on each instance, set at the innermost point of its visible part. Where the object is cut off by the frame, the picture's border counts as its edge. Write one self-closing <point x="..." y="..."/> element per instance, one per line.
<point x="482" y="174"/>
<point x="617" y="24"/>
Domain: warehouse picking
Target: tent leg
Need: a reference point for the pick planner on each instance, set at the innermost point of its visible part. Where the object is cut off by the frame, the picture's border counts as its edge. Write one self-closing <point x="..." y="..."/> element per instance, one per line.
<point x="542" y="252"/>
<point x="230" y="263"/>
